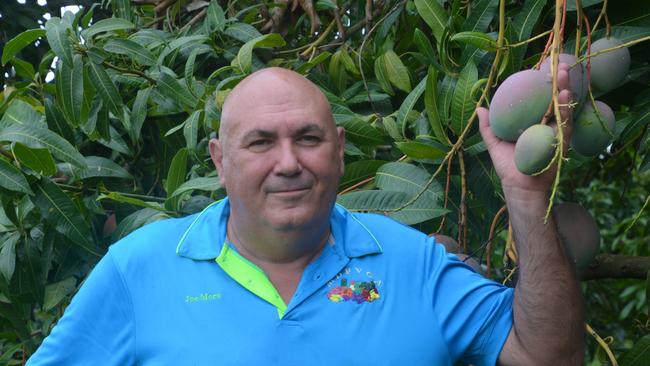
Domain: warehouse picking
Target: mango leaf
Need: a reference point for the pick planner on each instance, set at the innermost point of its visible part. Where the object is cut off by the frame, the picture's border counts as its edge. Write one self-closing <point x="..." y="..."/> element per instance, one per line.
<point x="407" y="178"/>
<point x="418" y="212"/>
<point x="58" y="209"/>
<point x="398" y="74"/>
<point x="57" y="36"/>
<point x="431" y="106"/>
<point x="56" y="121"/>
<point x="244" y="57"/>
<point x="446" y="95"/>
<point x="639" y="355"/>
<point x="477" y="39"/>
<point x="38" y="160"/>
<point x="181" y="43"/>
<point x="23" y="68"/>
<point x="359" y="171"/>
<point x="102" y="167"/>
<point x="481" y="15"/>
<point x="21" y="113"/>
<point x="242" y="32"/>
<point x="191" y="129"/>
<point x="337" y="71"/>
<point x="207" y="184"/>
<point x="37" y="137"/>
<point x="131" y="49"/>
<point x="381" y="73"/>
<point x="419" y="150"/>
<point x="8" y="255"/>
<point x="106" y="25"/>
<point x="172" y="88"/>
<point x="137" y="220"/>
<point x="177" y="171"/>
<point x="13" y="179"/>
<point x="305" y="67"/>
<point x="189" y="69"/>
<point x="463" y="103"/>
<point x="121" y="198"/>
<point x="434" y="15"/>
<point x="19" y="42"/>
<point x="215" y="19"/>
<point x="106" y="89"/>
<point x="360" y="132"/>
<point x="520" y="29"/>
<point x="571" y="4"/>
<point x="70" y="90"/>
<point x="424" y="45"/>
<point x="139" y="112"/>
<point x="374" y="200"/>
<point x="409" y="103"/>
<point x="56" y="292"/>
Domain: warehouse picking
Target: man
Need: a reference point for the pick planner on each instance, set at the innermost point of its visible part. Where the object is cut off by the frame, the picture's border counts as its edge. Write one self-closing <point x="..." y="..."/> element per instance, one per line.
<point x="277" y="274"/>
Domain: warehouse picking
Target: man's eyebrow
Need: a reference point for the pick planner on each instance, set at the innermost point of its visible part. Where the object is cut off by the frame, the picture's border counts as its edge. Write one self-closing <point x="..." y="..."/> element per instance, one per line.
<point x="310" y="127"/>
<point x="256" y="133"/>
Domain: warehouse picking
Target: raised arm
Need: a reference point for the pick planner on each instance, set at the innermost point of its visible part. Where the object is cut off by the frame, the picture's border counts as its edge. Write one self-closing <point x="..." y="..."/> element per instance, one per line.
<point x="548" y="308"/>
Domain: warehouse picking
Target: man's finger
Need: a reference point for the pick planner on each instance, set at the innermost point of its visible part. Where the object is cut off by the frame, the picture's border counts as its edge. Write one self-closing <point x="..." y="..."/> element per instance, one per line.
<point x="484" y="127"/>
<point x="563" y="78"/>
<point x="566" y="112"/>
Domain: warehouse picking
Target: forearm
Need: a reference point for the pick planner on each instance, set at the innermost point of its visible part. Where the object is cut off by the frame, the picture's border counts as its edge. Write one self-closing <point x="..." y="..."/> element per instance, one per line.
<point x="548" y="307"/>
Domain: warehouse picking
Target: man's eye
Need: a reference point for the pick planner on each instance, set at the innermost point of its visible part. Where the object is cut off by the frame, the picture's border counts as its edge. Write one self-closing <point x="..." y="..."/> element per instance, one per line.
<point x="310" y="139"/>
<point x="260" y="143"/>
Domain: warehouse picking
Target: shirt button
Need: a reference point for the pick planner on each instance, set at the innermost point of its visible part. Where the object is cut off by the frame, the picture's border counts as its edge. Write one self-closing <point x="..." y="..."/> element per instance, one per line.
<point x="318" y="276"/>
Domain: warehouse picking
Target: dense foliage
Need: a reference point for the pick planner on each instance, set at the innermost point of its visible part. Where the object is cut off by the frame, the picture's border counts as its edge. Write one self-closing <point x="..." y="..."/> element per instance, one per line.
<point x="105" y="116"/>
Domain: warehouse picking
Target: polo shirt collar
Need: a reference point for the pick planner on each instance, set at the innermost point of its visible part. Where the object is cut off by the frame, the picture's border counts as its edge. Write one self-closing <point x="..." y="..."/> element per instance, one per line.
<point x="206" y="235"/>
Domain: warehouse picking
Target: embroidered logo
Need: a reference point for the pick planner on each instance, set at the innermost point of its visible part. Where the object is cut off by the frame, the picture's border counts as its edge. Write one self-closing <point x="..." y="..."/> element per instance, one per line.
<point x="354" y="291"/>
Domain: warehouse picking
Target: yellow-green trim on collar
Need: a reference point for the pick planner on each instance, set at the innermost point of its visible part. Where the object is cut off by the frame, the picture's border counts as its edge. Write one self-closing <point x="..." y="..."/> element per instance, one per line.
<point x="250" y="276"/>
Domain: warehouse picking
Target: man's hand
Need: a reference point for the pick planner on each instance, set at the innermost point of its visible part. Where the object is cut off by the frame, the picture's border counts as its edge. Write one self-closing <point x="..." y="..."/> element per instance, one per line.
<point x="547" y="310"/>
<point x="502" y="152"/>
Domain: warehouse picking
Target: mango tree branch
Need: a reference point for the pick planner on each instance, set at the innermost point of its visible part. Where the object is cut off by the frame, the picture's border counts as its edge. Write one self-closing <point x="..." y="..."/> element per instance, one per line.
<point x="617" y="266"/>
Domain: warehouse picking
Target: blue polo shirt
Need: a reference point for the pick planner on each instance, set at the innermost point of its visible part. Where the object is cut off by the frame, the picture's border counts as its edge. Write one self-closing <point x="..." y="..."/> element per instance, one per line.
<point x="380" y="293"/>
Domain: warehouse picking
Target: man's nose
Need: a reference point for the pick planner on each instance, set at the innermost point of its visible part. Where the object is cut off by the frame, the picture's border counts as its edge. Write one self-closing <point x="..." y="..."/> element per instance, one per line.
<point x="288" y="162"/>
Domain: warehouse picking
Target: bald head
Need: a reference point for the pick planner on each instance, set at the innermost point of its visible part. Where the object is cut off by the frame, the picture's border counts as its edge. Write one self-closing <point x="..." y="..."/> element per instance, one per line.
<point x="272" y="86"/>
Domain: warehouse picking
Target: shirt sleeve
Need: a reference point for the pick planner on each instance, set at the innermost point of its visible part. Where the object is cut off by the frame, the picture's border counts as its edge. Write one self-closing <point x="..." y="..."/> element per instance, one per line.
<point x="474" y="313"/>
<point x="97" y="327"/>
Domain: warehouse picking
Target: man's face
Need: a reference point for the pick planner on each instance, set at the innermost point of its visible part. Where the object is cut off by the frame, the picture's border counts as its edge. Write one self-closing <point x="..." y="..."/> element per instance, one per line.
<point x="281" y="159"/>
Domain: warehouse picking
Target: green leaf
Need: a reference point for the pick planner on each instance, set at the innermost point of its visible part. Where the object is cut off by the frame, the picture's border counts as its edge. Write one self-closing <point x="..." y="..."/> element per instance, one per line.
<point x="57" y="36"/>
<point x="377" y="201"/>
<point x="37" y="137"/>
<point x="189" y="69"/>
<point x="56" y="121"/>
<point x="58" y="209"/>
<point x="38" y="160"/>
<point x="215" y="19"/>
<point x="19" y="42"/>
<point x="106" y="89"/>
<point x="131" y="49"/>
<point x="424" y="45"/>
<point x="13" y="179"/>
<point x="207" y="184"/>
<point x="381" y="73"/>
<point x="337" y="71"/>
<point x="8" y="255"/>
<point x="244" y="57"/>
<point x="85" y="20"/>
<point x="23" y="68"/>
<point x="106" y="25"/>
<point x="418" y="212"/>
<point x="409" y="103"/>
<point x="10" y="350"/>
<point x="177" y="171"/>
<point x="139" y="112"/>
<point x="359" y="171"/>
<point x="480" y="40"/>
<point x="398" y="74"/>
<point x="521" y="28"/>
<point x="21" y="113"/>
<point x="481" y="14"/>
<point x="571" y="4"/>
<point x="360" y="132"/>
<point x="118" y="197"/>
<point x="639" y="355"/>
<point x="407" y="178"/>
<point x="172" y="88"/>
<point x="242" y="32"/>
<point x="434" y="15"/>
<point x="102" y="167"/>
<point x="137" y="220"/>
<point x="463" y="103"/>
<point x="431" y="106"/>
<point x="56" y="292"/>
<point x="419" y="150"/>
<point x="70" y="90"/>
<point x="191" y="129"/>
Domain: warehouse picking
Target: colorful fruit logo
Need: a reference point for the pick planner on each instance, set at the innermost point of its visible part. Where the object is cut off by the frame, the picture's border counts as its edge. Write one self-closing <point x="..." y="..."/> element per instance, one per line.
<point x="356" y="291"/>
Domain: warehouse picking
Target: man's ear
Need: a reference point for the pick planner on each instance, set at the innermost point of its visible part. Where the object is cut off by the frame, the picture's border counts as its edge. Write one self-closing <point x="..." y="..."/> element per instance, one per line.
<point x="216" y="154"/>
<point x="341" y="137"/>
